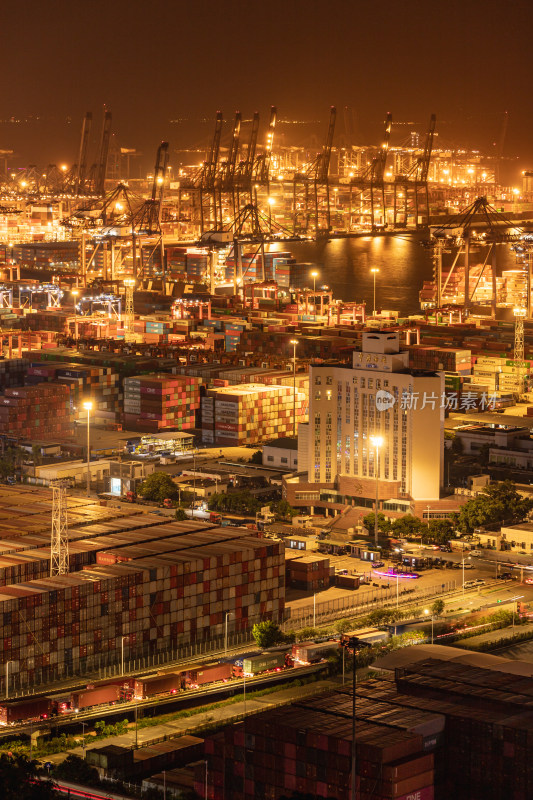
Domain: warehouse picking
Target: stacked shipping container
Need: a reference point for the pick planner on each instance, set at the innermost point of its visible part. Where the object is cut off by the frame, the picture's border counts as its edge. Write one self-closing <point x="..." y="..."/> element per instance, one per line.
<point x="157" y="402"/>
<point x="249" y="414"/>
<point x="37" y="412"/>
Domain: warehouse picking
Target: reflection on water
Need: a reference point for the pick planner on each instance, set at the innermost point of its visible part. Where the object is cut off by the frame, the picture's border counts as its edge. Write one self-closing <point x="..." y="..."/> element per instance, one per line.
<point x="345" y="264"/>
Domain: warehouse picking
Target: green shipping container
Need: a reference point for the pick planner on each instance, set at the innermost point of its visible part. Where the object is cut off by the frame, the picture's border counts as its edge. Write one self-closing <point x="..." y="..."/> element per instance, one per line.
<point x="256" y="664"/>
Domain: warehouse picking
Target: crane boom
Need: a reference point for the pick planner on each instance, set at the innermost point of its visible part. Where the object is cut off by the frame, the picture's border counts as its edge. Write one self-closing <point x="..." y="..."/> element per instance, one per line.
<point x="380" y="162"/>
<point x="211" y="163"/>
<point x="103" y="154"/>
<point x="325" y="158"/>
<point x="82" y="157"/>
<point x="426" y="157"/>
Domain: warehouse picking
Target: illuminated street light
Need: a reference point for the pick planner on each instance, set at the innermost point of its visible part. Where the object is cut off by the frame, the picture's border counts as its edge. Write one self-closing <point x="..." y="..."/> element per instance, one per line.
<point x="75" y="294"/>
<point x="374" y="271"/>
<point x="88" y="406"/>
<point x="426" y="611"/>
<point x="294" y="342"/>
<point x="377" y="441"/>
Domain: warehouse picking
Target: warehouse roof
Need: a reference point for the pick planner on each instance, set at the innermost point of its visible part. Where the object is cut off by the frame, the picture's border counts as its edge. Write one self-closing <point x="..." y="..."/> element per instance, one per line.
<point x="284" y="443"/>
<point x="407" y="656"/>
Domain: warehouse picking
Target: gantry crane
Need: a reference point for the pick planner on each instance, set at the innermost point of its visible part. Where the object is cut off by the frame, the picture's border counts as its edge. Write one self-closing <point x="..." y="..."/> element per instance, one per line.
<point x="411" y="189"/>
<point x="478" y="226"/>
<point x="316" y="178"/>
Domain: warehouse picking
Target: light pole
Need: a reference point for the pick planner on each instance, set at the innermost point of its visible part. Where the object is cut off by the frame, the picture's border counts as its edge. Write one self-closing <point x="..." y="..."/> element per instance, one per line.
<point x="428" y="510"/>
<point x="228" y="614"/>
<point x="374" y="272"/>
<point x="351" y="644"/>
<point x="314" y="276"/>
<point x="377" y="441"/>
<point x="294" y="342"/>
<point x="75" y="294"/>
<point x="397" y="590"/>
<point x="314" y="610"/>
<point x="123" y="638"/>
<point x="7" y="677"/>
<point x="88" y="406"/>
<point x="83" y="726"/>
<point x="205" y="793"/>
<point x="463" y="563"/>
<point x="426" y="611"/>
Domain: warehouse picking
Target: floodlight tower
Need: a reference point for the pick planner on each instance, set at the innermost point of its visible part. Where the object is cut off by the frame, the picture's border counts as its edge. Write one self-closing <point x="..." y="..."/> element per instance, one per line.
<point x="129" y="316"/>
<point x="59" y="562"/>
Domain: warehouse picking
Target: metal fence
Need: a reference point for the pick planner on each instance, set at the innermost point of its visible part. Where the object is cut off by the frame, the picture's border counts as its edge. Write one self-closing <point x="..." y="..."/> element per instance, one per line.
<point x="361" y="603"/>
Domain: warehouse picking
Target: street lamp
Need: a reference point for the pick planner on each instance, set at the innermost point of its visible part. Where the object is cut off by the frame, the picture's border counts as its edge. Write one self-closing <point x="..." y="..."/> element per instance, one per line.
<point x="352" y="644"/>
<point x="374" y="271"/>
<point x="75" y="294"/>
<point x="7" y="677"/>
<point x="463" y="563"/>
<point x="123" y="638"/>
<point x="83" y="726"/>
<point x="88" y="406"/>
<point x="228" y="614"/>
<point x="294" y="342"/>
<point x="426" y="611"/>
<point x="314" y="276"/>
<point x="377" y="441"/>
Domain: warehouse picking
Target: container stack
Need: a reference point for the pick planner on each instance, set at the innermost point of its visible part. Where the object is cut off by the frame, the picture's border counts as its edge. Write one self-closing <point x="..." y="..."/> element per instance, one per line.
<point x="305" y="750"/>
<point x="13" y="372"/>
<point x="155" y="402"/>
<point x="38" y="413"/>
<point x="249" y="414"/>
<point x="310" y="573"/>
<point x="157" y="602"/>
<point x="99" y="384"/>
<point x="449" y="359"/>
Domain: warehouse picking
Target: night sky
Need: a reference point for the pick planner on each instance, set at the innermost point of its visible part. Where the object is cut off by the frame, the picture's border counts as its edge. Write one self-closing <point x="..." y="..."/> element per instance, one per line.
<point x="154" y="62"/>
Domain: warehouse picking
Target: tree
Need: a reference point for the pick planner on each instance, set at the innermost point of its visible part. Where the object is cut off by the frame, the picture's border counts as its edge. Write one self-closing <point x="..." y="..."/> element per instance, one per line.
<point x="181" y="515"/>
<point x="439" y="531"/>
<point x="20" y="779"/>
<point x="284" y="510"/>
<point x="267" y="634"/>
<point x="383" y="523"/>
<point x="343" y="625"/>
<point x="242" y="502"/>
<point x="157" y="487"/>
<point x="497" y="504"/>
<point x="304" y="634"/>
<point x="36" y="454"/>
<point x="407" y="526"/>
<point x="257" y="457"/>
<point x="76" y="769"/>
<point x="438" y="607"/>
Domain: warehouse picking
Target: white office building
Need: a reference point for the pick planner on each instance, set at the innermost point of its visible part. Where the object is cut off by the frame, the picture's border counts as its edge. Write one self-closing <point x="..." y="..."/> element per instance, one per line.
<point x="378" y="396"/>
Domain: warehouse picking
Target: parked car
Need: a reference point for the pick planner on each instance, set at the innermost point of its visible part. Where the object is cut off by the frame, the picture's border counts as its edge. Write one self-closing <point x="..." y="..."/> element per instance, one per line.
<point x="470" y="584"/>
<point x="506" y="576"/>
<point x="476" y="553"/>
<point x="378" y="564"/>
<point x="479" y="582"/>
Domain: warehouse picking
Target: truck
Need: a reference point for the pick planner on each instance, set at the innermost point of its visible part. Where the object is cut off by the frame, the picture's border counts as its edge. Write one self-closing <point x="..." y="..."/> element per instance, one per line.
<point x="366" y="635"/>
<point x="311" y="652"/>
<point x="215" y="518"/>
<point x="170" y="683"/>
<point x="24" y="710"/>
<point x="263" y="663"/>
<point x="198" y="676"/>
<point x="96" y="696"/>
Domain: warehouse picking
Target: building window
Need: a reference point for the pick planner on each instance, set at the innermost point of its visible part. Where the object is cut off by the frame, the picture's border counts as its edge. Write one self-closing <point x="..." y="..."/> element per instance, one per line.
<point x="270" y="458"/>
<point x="328" y="448"/>
<point x="284" y="460"/>
<point x="318" y="380"/>
<point x="317" y="448"/>
<point x="317" y="394"/>
<point x="329" y="380"/>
